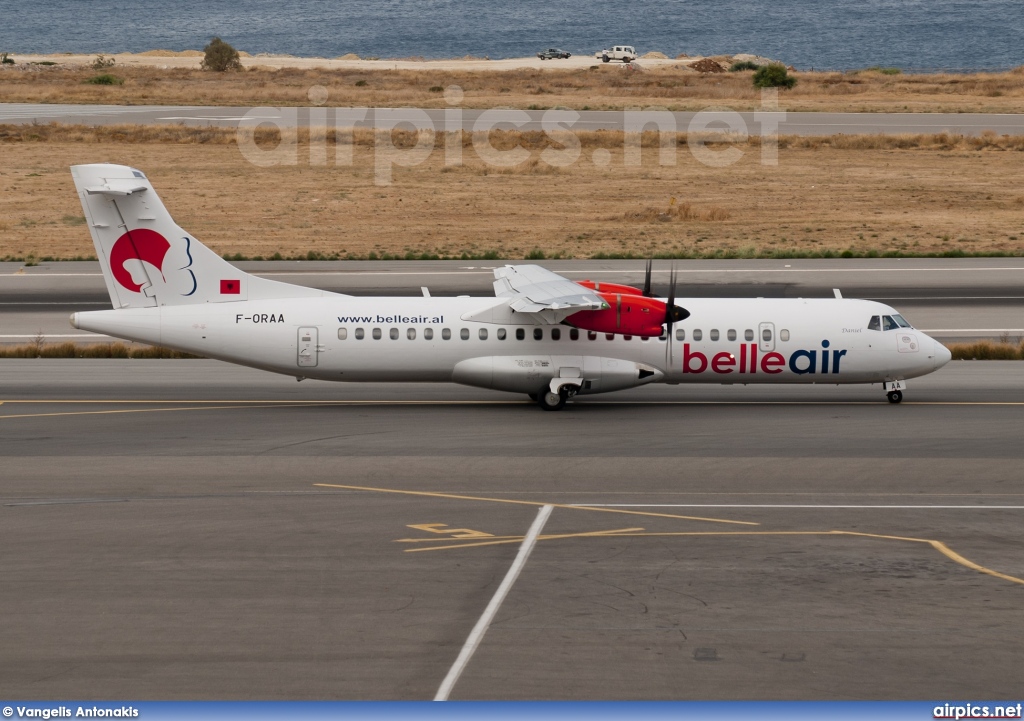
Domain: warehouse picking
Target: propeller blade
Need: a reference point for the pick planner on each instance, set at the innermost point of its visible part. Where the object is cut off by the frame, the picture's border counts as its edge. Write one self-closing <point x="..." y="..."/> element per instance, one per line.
<point x="671" y="302"/>
<point x="647" y="278"/>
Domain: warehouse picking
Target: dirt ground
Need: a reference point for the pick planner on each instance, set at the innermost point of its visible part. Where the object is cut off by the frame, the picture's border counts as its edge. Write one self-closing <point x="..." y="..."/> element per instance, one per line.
<point x="928" y="199"/>
<point x="590" y="86"/>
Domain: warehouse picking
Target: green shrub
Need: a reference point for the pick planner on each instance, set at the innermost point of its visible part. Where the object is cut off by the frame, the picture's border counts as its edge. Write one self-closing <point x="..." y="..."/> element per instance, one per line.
<point x="220" y="57"/>
<point x="773" y="76"/>
<point x="6" y="59"/>
<point x="102" y="63"/>
<point x="884" y="71"/>
<point x="536" y="254"/>
<point x="106" y="79"/>
<point x="360" y="83"/>
<point x="744" y="65"/>
<point x="436" y="89"/>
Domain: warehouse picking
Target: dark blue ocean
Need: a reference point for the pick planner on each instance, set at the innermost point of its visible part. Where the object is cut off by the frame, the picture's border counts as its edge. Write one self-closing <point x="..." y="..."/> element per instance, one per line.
<point x="839" y="34"/>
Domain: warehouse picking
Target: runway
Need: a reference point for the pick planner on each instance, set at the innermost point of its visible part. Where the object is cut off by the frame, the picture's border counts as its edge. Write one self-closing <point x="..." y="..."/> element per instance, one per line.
<point x="440" y="119"/>
<point x="951" y="299"/>
<point x="188" y="529"/>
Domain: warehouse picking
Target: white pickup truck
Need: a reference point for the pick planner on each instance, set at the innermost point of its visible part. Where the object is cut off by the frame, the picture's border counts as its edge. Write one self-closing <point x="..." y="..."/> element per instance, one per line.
<point x="625" y="53"/>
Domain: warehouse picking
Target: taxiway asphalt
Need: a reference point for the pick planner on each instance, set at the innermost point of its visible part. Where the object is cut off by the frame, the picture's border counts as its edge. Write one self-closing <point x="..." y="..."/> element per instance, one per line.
<point x="787" y="123"/>
<point x="189" y="529"/>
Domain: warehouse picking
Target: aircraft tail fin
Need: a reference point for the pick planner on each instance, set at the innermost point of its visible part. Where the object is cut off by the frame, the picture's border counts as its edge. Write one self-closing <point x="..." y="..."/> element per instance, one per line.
<point x="147" y="259"/>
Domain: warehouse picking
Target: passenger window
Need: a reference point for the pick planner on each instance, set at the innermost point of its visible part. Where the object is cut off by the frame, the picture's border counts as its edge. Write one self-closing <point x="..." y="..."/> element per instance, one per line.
<point x="464" y="334"/>
<point x="644" y="337"/>
<point x="359" y="333"/>
<point x="483" y="334"/>
<point x="748" y="334"/>
<point x="428" y="334"/>
<point x="394" y="334"/>
<point x="874" y="323"/>
<point x="446" y="334"/>
<point x="766" y="334"/>
<point x="591" y="335"/>
<point x="609" y="336"/>
<point x="784" y="335"/>
<point x="342" y="333"/>
<point x="888" y="323"/>
<point x="501" y="334"/>
<point x="627" y="337"/>
<point x="411" y="334"/>
<point x="730" y="334"/>
<point x="538" y="334"/>
<point x="680" y="334"/>
<point x="376" y="333"/>
<point x="697" y="334"/>
<point x="520" y="334"/>
<point x="556" y="334"/>
<point x="714" y="334"/>
<point x="574" y="334"/>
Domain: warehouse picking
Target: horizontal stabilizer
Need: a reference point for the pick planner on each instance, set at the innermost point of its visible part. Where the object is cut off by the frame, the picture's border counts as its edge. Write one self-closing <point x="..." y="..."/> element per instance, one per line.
<point x="117" y="186"/>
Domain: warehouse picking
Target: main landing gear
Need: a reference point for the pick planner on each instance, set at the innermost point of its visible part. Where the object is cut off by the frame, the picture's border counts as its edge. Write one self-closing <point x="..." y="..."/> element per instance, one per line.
<point x="551" y="400"/>
<point x="894" y="396"/>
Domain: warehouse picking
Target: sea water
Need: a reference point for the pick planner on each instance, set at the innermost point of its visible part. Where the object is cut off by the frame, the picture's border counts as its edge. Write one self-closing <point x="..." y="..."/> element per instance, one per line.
<point x="827" y="34"/>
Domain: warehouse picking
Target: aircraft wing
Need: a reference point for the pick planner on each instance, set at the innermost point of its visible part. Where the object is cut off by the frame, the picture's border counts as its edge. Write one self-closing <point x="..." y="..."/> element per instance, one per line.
<point x="547" y="296"/>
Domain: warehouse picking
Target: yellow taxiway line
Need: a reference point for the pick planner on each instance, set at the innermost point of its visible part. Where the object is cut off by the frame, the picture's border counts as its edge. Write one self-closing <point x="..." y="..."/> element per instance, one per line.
<point x="532" y="503"/>
<point x="640" y="533"/>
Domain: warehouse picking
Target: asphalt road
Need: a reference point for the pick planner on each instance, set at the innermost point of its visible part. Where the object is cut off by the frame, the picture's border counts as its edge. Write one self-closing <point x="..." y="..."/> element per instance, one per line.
<point x="788" y="123"/>
<point x="192" y="530"/>
<point x="950" y="299"/>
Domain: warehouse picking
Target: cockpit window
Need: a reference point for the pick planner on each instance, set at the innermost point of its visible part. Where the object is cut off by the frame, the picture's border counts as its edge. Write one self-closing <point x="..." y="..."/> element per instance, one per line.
<point x="888" y="323"/>
<point x="901" y="321"/>
<point x="874" y="323"/>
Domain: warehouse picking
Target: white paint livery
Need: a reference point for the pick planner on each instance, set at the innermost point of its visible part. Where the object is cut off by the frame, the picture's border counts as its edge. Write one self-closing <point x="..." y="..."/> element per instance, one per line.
<point x="168" y="289"/>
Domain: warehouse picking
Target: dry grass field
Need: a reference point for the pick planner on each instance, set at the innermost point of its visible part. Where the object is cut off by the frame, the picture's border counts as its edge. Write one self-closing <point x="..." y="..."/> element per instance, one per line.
<point x="863" y="195"/>
<point x="600" y="87"/>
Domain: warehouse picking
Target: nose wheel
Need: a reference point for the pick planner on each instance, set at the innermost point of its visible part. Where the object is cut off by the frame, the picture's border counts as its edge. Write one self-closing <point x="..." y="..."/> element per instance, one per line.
<point x="894" y="396"/>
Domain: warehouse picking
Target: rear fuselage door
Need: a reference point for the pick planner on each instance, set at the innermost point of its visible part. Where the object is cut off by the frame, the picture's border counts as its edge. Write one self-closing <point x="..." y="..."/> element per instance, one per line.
<point x="766" y="337"/>
<point x="308" y="339"/>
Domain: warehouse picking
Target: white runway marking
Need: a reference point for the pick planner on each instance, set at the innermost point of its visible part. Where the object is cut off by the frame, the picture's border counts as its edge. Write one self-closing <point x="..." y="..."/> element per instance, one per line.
<point x="477" y="634"/>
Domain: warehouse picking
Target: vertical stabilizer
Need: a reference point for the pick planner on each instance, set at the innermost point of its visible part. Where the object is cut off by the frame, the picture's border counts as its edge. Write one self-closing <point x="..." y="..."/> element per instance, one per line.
<point x="147" y="260"/>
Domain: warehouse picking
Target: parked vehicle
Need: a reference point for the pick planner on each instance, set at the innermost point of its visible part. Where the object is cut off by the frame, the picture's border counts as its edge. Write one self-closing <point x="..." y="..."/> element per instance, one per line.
<point x="553" y="54"/>
<point x="625" y="53"/>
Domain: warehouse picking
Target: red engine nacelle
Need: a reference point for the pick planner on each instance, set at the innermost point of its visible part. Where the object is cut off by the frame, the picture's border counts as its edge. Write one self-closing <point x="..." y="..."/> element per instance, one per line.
<point x="609" y="287"/>
<point x="628" y="314"/>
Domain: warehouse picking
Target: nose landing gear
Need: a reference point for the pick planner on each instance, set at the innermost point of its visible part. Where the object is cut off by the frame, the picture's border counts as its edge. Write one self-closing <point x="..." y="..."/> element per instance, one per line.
<point x="894" y="390"/>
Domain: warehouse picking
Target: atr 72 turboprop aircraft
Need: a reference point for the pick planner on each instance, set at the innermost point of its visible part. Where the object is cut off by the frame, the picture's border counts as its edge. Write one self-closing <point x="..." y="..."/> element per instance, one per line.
<point x="541" y="334"/>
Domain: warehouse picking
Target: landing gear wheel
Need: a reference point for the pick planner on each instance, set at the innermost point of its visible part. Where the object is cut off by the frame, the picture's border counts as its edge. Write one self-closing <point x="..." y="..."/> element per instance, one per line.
<point x="894" y="396"/>
<point x="552" y="401"/>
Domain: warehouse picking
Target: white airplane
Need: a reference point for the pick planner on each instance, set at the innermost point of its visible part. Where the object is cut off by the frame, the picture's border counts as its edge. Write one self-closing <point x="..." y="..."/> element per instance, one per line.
<point x="541" y="334"/>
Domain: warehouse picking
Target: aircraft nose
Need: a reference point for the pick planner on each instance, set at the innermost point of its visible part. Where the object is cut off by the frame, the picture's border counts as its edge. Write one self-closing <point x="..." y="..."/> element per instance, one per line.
<point x="941" y="354"/>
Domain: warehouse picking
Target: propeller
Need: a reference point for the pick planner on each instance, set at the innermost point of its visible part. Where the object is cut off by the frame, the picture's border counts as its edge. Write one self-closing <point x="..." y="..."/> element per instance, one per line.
<point x="647" y="278"/>
<point x="673" y="314"/>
